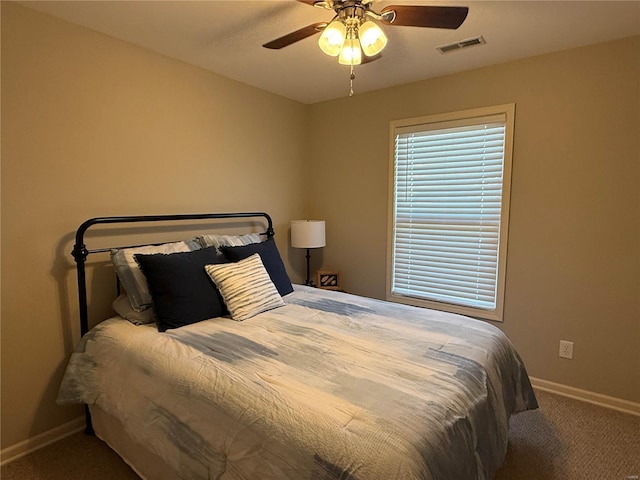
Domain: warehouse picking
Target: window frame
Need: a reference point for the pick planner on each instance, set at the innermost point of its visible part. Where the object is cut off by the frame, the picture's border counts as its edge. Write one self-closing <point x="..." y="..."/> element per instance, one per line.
<point x="455" y="118"/>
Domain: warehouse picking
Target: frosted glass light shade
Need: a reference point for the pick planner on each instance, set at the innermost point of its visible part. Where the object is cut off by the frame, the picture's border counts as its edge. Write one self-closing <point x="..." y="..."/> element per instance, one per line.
<point x="351" y="53"/>
<point x="307" y="233"/>
<point x="372" y="38"/>
<point x="332" y="38"/>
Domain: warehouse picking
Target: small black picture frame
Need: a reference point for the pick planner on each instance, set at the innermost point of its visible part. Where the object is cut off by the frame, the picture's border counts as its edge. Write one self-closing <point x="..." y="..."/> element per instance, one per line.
<point x="329" y="280"/>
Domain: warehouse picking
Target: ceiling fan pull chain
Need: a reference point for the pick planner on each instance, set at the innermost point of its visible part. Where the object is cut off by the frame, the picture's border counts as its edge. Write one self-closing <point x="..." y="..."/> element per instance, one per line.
<point x="351" y="77"/>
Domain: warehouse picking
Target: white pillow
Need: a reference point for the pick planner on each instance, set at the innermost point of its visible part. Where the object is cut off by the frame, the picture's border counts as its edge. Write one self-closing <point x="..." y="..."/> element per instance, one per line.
<point x="122" y="306"/>
<point x="227" y="240"/>
<point x="246" y="287"/>
<point x="130" y="275"/>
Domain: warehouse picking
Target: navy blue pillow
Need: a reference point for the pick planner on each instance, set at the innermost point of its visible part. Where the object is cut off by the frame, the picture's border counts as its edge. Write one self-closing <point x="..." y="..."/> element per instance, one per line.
<point x="182" y="291"/>
<point x="270" y="259"/>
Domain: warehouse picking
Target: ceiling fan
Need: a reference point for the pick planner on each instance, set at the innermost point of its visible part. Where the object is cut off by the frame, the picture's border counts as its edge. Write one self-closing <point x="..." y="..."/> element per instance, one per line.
<point x="353" y="31"/>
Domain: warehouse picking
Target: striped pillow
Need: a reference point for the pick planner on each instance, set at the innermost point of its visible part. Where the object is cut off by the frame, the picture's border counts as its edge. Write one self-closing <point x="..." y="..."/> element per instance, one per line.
<point x="246" y="287"/>
<point x="218" y="241"/>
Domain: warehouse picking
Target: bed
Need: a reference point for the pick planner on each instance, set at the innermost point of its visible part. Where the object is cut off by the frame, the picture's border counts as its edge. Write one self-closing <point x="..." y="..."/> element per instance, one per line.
<point x="308" y="384"/>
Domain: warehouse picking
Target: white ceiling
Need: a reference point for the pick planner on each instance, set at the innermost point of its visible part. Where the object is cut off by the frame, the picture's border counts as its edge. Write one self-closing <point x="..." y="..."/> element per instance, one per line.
<point x="226" y="37"/>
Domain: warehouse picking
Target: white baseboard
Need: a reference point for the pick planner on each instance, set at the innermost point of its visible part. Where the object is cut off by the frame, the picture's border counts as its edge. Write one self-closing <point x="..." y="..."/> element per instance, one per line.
<point x="41" y="440"/>
<point x="586" y="396"/>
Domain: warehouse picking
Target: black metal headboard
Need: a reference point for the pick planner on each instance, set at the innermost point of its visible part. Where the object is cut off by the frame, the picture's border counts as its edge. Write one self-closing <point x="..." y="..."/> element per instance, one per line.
<point x="80" y="251"/>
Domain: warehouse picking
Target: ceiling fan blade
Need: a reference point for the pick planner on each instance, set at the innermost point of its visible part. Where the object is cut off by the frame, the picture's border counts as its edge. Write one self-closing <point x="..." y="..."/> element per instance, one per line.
<point x="425" y="16"/>
<point x="296" y="36"/>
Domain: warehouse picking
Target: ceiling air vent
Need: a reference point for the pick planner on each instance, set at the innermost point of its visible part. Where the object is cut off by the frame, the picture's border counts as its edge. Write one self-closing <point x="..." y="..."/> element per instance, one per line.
<point x="469" y="42"/>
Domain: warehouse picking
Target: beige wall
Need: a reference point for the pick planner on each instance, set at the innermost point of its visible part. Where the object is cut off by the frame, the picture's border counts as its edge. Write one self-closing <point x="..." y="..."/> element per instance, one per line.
<point x="92" y="126"/>
<point x="573" y="269"/>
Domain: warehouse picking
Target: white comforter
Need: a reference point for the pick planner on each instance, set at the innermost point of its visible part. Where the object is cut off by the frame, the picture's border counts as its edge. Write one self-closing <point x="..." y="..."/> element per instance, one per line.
<point x="330" y="386"/>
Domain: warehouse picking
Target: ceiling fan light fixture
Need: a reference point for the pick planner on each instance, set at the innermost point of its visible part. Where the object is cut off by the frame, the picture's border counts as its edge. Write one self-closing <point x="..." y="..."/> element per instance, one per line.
<point x="372" y="38"/>
<point x="333" y="38"/>
<point x="354" y="30"/>
<point x="351" y="53"/>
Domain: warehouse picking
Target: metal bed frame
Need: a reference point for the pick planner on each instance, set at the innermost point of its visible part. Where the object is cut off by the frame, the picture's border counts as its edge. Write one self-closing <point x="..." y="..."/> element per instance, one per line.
<point x="80" y="253"/>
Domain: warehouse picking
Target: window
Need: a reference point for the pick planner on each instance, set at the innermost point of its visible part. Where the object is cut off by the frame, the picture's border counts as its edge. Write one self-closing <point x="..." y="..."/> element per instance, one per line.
<point x="449" y="212"/>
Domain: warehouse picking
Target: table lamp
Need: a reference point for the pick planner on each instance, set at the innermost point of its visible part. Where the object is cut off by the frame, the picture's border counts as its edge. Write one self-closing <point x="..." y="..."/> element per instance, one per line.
<point x="307" y="234"/>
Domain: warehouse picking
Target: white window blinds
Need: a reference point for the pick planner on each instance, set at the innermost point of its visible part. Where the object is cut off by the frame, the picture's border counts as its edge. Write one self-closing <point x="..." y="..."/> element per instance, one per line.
<point x="447" y="211"/>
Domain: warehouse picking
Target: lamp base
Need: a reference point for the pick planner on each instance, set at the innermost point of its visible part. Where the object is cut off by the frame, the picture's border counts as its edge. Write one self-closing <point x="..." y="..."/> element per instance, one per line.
<point x="308" y="281"/>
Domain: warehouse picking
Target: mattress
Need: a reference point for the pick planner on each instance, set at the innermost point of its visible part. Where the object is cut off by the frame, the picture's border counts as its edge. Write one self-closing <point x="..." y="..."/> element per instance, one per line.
<point x="329" y="386"/>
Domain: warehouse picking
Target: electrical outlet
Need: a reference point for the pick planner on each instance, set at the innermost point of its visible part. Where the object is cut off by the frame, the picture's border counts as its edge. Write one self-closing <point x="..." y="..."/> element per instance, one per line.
<point x="566" y="349"/>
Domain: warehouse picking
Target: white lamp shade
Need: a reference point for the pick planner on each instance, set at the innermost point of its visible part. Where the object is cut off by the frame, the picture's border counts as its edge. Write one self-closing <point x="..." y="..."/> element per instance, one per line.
<point x="332" y="38"/>
<point x="372" y="38"/>
<point x="307" y="233"/>
<point x="351" y="54"/>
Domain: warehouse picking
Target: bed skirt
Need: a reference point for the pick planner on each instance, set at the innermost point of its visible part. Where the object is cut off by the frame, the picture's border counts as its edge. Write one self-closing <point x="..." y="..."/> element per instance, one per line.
<point x="146" y="464"/>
